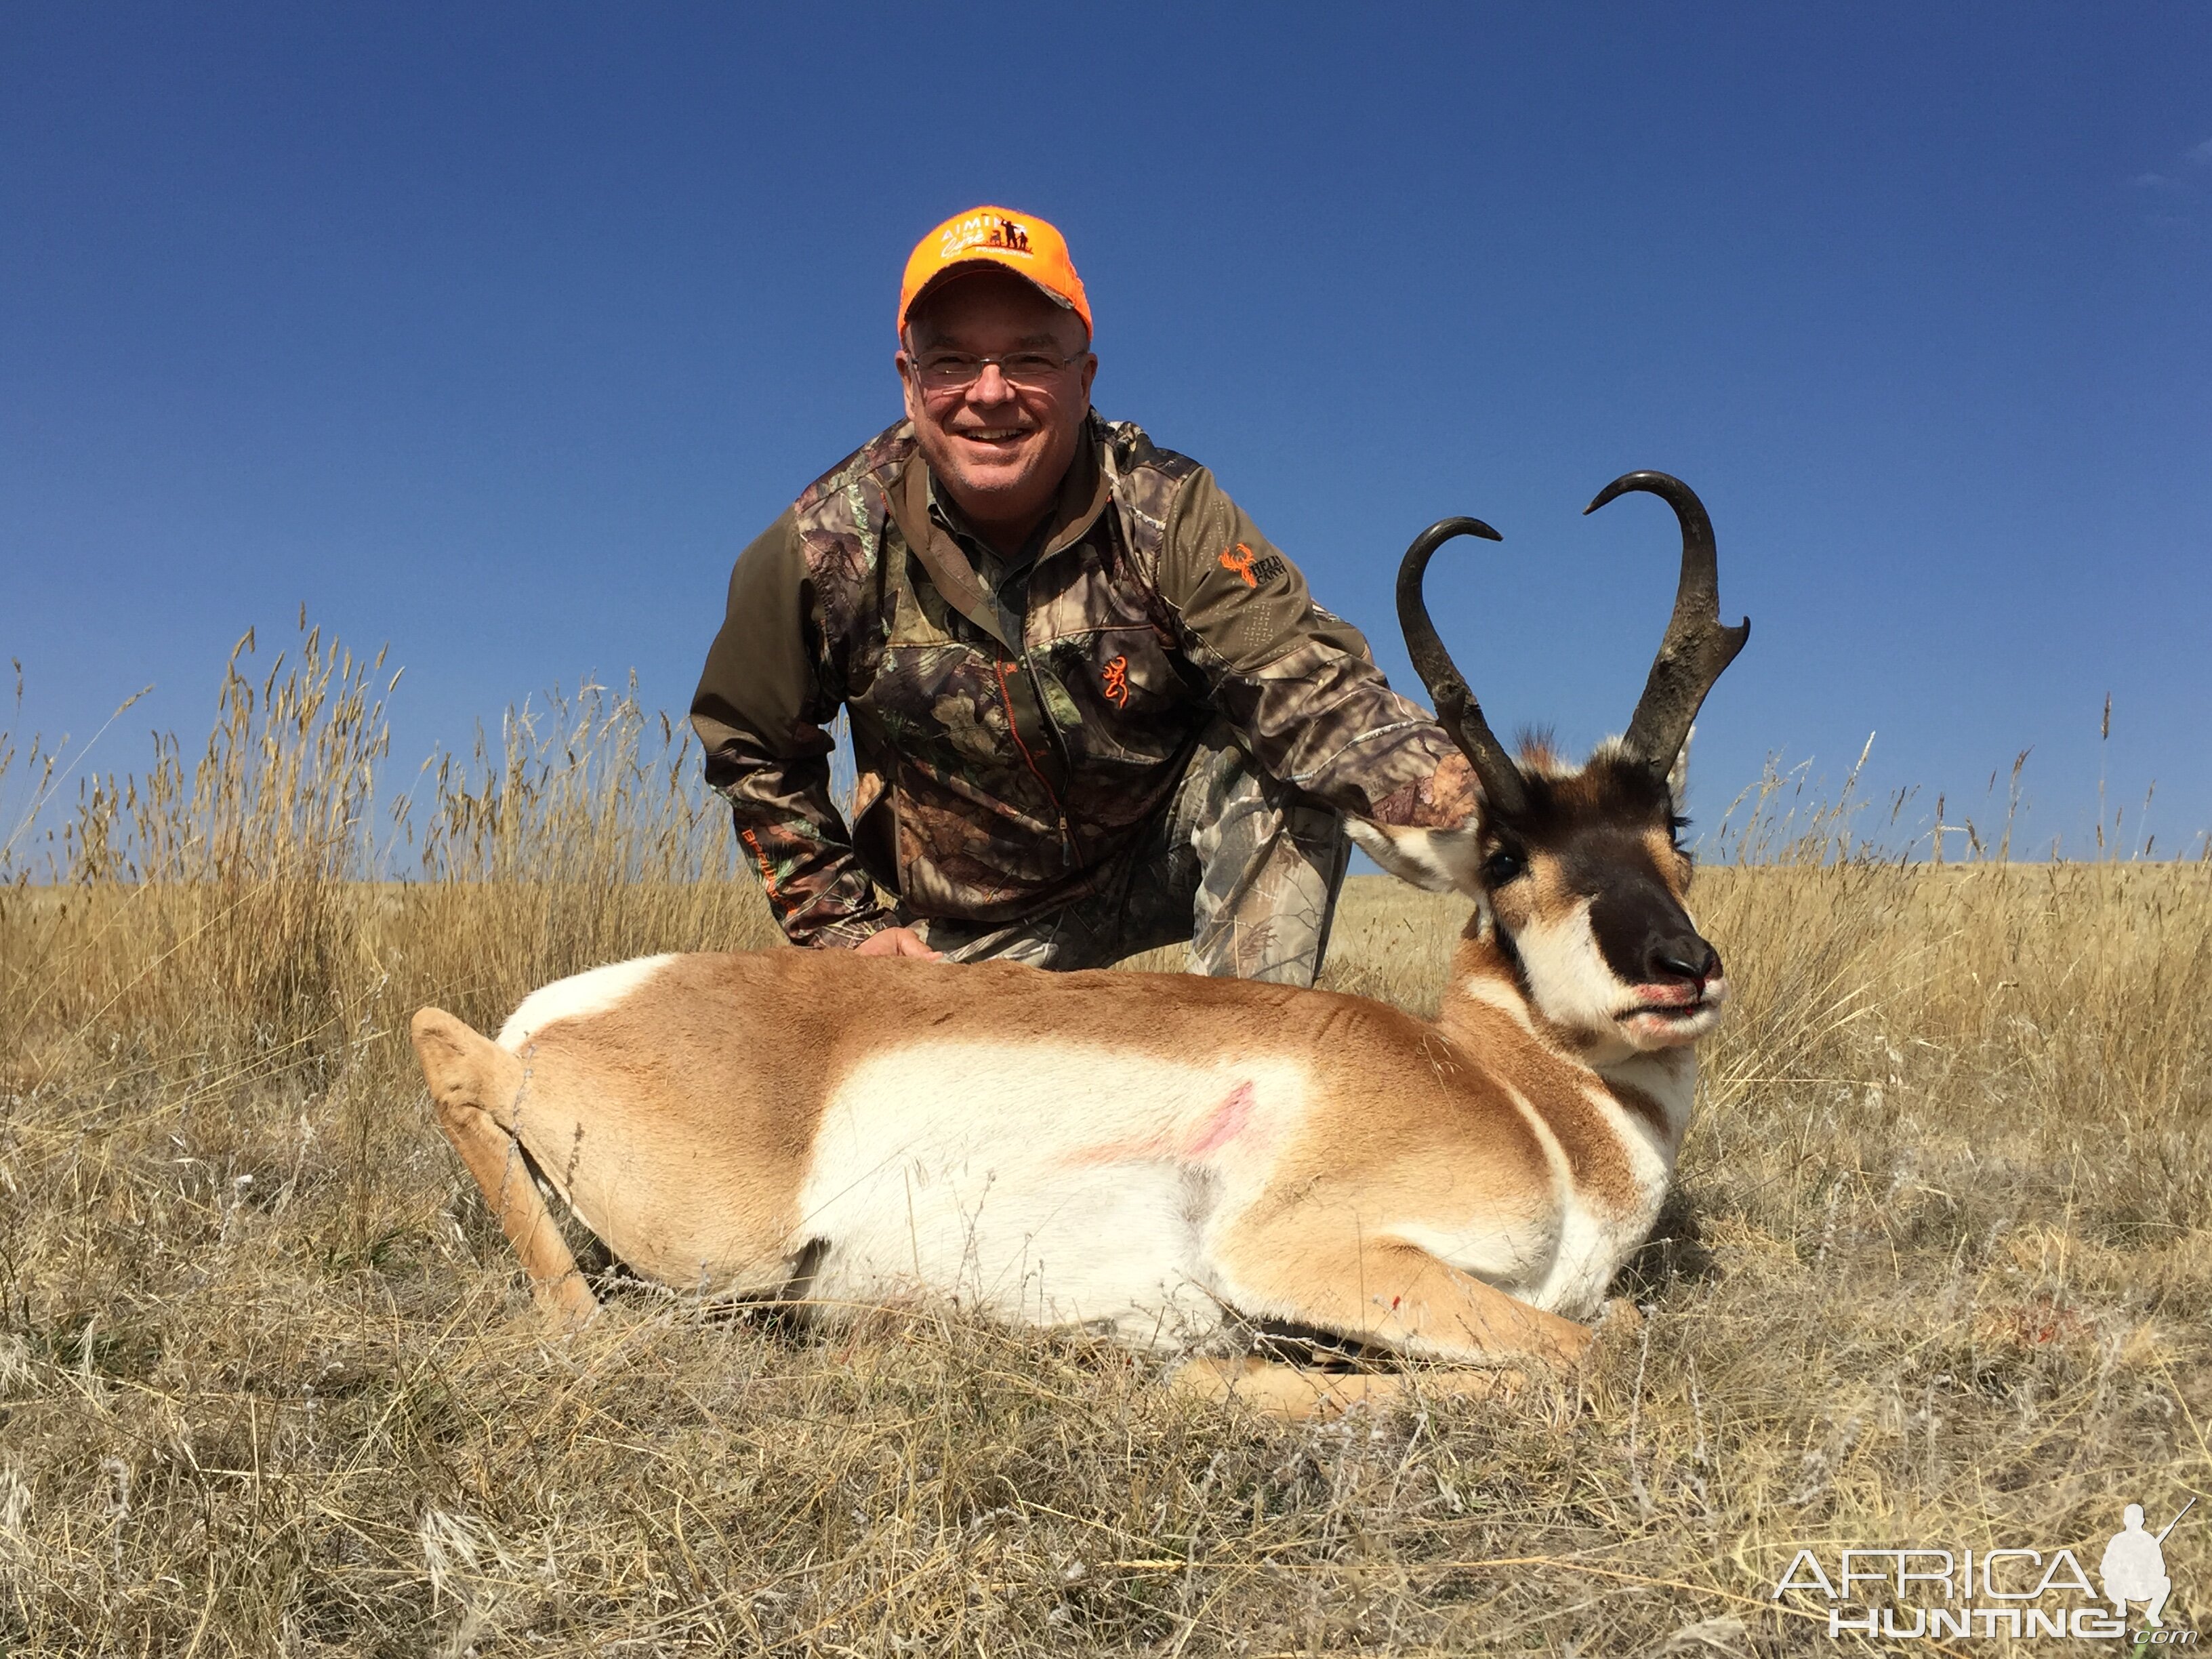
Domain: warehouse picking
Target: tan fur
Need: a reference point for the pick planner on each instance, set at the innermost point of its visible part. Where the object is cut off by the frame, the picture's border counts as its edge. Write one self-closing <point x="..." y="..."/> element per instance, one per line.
<point x="1666" y="859"/>
<point x="742" y="1052"/>
<point x="682" y="1109"/>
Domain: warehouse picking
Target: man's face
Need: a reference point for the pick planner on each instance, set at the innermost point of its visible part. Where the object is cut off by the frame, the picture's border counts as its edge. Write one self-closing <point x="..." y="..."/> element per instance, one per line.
<point x="1000" y="450"/>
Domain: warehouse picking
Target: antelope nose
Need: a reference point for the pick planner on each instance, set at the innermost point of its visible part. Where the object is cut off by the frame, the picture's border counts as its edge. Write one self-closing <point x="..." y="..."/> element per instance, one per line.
<point x="1686" y="957"/>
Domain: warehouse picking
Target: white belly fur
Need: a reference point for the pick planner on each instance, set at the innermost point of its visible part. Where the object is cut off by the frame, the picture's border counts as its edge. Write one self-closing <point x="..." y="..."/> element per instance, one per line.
<point x="1042" y="1185"/>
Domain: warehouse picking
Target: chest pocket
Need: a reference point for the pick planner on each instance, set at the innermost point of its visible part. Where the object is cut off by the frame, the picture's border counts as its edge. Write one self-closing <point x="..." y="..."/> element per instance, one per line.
<point x="1116" y="685"/>
<point x="932" y="690"/>
<point x="922" y="616"/>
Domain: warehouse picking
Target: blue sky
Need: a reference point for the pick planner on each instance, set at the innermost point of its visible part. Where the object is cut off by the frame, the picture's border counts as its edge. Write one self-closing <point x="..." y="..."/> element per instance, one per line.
<point x="494" y="332"/>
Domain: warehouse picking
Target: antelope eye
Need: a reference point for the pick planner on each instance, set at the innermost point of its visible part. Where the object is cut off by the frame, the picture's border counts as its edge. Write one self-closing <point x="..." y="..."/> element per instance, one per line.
<point x="1503" y="865"/>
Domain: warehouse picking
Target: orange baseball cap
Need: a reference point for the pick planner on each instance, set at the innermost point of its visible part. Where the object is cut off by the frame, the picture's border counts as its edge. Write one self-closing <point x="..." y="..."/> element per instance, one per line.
<point x="1021" y="242"/>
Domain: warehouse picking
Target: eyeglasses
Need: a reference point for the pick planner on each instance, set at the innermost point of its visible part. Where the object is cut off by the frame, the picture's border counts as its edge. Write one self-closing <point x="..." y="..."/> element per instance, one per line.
<point x="1028" y="371"/>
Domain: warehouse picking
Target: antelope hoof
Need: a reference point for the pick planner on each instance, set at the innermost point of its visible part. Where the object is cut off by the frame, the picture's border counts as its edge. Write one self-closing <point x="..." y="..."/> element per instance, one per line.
<point x="566" y="1305"/>
<point x="1620" y="1322"/>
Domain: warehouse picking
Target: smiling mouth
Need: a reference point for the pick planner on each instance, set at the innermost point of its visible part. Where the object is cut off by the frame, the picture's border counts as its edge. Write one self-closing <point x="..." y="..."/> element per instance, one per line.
<point x="996" y="436"/>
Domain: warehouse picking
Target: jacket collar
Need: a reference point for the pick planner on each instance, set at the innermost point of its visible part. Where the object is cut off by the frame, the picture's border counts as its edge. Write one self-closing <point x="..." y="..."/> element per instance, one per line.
<point x="1083" y="496"/>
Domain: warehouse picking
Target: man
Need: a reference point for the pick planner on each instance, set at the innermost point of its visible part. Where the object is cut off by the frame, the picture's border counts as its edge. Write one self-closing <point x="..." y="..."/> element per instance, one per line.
<point x="1093" y="709"/>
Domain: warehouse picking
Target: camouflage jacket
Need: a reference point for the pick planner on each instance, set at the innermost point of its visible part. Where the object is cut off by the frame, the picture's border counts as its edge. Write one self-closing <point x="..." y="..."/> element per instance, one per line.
<point x="1005" y="756"/>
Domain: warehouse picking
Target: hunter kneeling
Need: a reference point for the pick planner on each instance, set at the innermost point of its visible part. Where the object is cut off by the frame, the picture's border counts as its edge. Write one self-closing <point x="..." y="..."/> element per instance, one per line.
<point x="1094" y="710"/>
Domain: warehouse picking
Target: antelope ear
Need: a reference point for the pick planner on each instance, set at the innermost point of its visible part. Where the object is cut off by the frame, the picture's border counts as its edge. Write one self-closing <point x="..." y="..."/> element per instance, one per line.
<point x="1435" y="860"/>
<point x="1678" y="776"/>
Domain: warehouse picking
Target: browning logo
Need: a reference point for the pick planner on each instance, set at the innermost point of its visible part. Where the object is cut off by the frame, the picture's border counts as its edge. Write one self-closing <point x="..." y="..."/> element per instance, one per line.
<point x="1115" y="682"/>
<point x="1238" y="559"/>
<point x="983" y="230"/>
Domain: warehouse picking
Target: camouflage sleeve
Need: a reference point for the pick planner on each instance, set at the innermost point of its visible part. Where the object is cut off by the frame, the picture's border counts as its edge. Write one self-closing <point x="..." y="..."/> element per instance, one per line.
<point x="770" y="688"/>
<point x="1296" y="681"/>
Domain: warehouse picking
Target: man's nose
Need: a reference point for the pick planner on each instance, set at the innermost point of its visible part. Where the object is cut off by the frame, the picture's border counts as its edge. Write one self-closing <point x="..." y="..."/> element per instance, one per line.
<point x="991" y="387"/>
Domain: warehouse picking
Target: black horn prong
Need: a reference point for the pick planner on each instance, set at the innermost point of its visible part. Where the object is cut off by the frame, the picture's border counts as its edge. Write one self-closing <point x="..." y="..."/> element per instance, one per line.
<point x="1696" y="648"/>
<point x="1457" y="712"/>
<point x="1623" y="484"/>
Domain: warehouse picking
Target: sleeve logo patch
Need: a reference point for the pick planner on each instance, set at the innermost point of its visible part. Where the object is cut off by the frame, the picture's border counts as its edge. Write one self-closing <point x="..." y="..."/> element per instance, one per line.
<point x="1115" y="682"/>
<point x="1238" y="559"/>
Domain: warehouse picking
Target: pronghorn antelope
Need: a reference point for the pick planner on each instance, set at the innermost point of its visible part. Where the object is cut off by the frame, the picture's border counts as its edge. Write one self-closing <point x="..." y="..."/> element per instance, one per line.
<point x="1166" y="1158"/>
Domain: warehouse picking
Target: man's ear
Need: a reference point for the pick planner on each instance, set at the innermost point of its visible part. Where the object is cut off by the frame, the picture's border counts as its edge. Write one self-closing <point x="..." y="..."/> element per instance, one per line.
<point x="1435" y="860"/>
<point x="907" y="390"/>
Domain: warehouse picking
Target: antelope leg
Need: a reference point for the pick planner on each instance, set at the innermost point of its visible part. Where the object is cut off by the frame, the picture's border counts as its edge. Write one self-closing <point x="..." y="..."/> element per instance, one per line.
<point x="466" y="1072"/>
<point x="1397" y="1295"/>
<point x="495" y="1160"/>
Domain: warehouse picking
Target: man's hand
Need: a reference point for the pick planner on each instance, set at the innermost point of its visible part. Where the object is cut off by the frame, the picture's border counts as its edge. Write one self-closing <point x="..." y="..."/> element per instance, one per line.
<point x="1447" y="799"/>
<point x="1451" y="794"/>
<point x="896" y="941"/>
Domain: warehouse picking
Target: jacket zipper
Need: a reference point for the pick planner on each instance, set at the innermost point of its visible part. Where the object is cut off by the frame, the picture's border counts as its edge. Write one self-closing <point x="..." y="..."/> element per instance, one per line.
<point x="1014" y="725"/>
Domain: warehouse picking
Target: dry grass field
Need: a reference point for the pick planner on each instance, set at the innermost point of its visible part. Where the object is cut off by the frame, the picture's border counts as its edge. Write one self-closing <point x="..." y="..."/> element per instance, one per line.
<point x="1938" y="1272"/>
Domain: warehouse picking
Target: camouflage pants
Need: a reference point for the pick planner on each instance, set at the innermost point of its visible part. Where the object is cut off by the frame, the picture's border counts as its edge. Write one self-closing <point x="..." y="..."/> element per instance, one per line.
<point x="1235" y="866"/>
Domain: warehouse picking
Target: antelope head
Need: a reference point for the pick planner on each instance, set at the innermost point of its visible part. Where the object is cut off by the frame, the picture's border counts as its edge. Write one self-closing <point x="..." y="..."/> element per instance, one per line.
<point x="1577" y="877"/>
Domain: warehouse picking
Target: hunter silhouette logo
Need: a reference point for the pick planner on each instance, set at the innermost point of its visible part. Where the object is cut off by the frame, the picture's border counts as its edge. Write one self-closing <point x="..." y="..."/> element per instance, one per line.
<point x="1238" y="560"/>
<point x="984" y="230"/>
<point x="2134" y="1567"/>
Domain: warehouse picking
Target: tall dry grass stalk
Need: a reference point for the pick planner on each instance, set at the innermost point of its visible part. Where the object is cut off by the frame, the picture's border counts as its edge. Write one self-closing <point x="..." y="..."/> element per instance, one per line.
<point x="1937" y="1272"/>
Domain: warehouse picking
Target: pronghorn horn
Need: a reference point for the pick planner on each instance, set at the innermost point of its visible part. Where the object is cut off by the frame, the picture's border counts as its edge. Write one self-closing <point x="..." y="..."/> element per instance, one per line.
<point x="1457" y="712"/>
<point x="1696" y="647"/>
